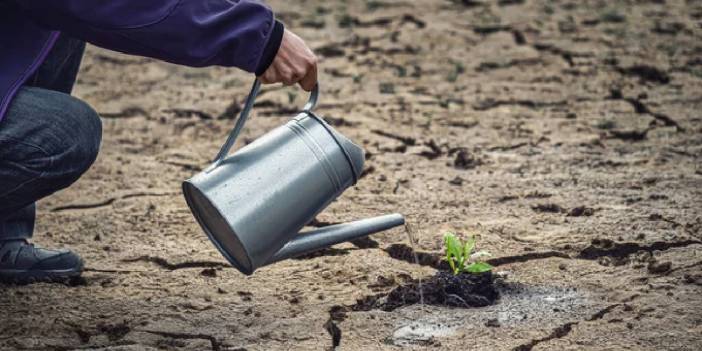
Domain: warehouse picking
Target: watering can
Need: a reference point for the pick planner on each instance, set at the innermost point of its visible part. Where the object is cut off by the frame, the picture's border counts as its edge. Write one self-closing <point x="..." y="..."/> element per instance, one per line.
<point x="253" y="203"/>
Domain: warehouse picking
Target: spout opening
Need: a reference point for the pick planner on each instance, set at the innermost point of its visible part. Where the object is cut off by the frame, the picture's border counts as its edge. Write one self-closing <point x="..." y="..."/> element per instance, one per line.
<point x="218" y="230"/>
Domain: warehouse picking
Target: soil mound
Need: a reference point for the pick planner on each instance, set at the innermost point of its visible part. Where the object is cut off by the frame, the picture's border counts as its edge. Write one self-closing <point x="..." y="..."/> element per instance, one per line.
<point x="445" y="289"/>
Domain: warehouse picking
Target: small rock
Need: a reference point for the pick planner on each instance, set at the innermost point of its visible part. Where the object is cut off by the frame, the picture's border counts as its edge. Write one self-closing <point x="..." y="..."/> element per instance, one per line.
<point x="494" y="323"/>
<point x="209" y="272"/>
<point x="465" y="160"/>
<point x="693" y="279"/>
<point x="458" y="181"/>
<point x="502" y="274"/>
<point x="655" y="217"/>
<point x="581" y="211"/>
<point x="659" y="267"/>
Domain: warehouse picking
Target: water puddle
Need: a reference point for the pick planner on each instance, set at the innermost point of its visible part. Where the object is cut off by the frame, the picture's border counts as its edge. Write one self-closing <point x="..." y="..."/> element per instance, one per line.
<point x="421" y="333"/>
<point x="520" y="305"/>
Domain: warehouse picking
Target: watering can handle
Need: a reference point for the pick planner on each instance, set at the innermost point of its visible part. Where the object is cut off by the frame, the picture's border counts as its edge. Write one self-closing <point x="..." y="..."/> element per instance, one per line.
<point x="245" y="111"/>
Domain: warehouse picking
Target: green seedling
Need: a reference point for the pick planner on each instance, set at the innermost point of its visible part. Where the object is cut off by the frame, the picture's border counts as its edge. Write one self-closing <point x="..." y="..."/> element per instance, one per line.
<point x="461" y="258"/>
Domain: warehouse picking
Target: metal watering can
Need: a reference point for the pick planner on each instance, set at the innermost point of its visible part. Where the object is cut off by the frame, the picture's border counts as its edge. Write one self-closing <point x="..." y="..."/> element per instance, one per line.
<point x="252" y="204"/>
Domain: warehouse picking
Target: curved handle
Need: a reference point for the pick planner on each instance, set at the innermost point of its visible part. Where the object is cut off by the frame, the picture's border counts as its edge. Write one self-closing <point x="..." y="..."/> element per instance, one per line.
<point x="312" y="100"/>
<point x="244" y="115"/>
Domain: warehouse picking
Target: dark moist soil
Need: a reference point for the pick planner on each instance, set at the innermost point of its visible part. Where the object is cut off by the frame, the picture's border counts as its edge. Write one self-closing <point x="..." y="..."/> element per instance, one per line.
<point x="465" y="290"/>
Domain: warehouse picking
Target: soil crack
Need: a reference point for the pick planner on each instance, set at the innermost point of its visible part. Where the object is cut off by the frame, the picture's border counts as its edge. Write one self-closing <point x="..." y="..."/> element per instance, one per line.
<point x="499" y="261"/>
<point x="605" y="247"/>
<point x="175" y="266"/>
<point x="641" y="108"/>
<point x="216" y="344"/>
<point x="408" y="141"/>
<point x="128" y="112"/>
<point x="564" y="329"/>
<point x="106" y="202"/>
<point x="557" y="333"/>
<point x="491" y="103"/>
<point x="334" y="331"/>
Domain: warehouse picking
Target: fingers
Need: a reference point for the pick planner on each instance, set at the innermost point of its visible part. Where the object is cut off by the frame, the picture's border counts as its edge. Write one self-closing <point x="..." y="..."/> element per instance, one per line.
<point x="310" y="78"/>
<point x="305" y="75"/>
<point x="294" y="63"/>
<point x="269" y="76"/>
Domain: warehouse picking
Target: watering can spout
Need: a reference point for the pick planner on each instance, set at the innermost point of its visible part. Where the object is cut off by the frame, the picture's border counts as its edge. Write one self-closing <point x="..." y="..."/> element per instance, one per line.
<point x="334" y="234"/>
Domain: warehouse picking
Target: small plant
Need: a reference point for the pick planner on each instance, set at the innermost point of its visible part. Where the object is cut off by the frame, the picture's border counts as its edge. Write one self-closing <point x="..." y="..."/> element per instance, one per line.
<point x="461" y="258"/>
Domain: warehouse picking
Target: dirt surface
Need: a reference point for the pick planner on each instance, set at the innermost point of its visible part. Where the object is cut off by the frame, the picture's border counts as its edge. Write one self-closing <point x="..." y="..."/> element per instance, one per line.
<point x="566" y="135"/>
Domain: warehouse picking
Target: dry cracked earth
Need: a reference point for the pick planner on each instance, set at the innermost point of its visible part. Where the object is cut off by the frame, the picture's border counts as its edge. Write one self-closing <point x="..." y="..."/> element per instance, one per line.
<point x="566" y="135"/>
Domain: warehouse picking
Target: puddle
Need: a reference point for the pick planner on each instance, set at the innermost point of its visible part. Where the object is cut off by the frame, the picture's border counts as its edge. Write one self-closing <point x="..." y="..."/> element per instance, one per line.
<point x="421" y="333"/>
<point x="522" y="303"/>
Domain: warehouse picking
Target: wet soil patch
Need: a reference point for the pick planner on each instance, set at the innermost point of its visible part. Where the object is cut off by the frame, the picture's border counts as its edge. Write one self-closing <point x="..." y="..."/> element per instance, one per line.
<point x="551" y="308"/>
<point x="445" y="289"/>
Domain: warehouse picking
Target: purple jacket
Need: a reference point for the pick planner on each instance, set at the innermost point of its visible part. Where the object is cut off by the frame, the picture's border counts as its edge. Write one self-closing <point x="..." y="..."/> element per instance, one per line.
<point x="235" y="33"/>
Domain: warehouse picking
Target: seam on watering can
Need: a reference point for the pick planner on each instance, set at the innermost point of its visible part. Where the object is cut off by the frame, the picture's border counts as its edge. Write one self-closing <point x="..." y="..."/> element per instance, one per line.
<point x="318" y="152"/>
<point x="343" y="150"/>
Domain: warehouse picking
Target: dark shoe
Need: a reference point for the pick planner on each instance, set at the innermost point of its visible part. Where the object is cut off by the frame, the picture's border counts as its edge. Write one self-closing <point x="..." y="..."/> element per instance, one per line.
<point x="22" y="263"/>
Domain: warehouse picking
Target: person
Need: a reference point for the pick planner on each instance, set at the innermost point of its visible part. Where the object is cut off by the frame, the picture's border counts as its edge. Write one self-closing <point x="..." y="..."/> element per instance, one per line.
<point x="49" y="138"/>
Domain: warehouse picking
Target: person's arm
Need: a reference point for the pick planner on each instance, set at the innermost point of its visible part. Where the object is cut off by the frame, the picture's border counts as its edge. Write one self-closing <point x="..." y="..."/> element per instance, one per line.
<point x="232" y="33"/>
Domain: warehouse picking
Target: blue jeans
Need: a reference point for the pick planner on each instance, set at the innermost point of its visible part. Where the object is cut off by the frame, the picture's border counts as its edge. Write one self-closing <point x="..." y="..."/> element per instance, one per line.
<point x="48" y="139"/>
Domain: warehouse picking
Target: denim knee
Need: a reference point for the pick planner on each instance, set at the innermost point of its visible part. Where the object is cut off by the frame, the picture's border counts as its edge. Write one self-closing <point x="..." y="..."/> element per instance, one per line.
<point x="82" y="129"/>
<point x="47" y="141"/>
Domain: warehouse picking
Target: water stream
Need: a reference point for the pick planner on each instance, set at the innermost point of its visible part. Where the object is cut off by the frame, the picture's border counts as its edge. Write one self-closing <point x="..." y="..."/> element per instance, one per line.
<point x="408" y="230"/>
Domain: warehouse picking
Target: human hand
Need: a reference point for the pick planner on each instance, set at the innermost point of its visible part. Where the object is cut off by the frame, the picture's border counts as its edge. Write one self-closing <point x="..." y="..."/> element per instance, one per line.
<point x="294" y="63"/>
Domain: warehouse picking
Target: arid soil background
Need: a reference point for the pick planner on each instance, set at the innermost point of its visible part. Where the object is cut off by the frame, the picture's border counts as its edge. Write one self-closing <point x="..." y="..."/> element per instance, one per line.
<point x="566" y="135"/>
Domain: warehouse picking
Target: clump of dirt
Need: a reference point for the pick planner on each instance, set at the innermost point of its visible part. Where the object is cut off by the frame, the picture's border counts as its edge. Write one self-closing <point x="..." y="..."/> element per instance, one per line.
<point x="466" y="160"/>
<point x="548" y="207"/>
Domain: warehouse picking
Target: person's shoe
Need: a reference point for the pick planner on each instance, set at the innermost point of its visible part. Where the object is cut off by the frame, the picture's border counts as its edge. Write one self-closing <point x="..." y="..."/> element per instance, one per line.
<point x="22" y="263"/>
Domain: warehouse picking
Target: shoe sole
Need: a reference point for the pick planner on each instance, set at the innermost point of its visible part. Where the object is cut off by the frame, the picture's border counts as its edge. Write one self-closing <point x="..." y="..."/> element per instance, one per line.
<point x="24" y="277"/>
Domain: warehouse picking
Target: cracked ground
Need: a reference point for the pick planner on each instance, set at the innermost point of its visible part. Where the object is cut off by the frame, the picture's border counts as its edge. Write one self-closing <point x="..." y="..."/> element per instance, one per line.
<point x="566" y="135"/>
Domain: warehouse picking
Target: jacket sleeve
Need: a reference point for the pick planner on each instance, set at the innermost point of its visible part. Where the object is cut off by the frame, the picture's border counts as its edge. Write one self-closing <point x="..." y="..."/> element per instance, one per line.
<point x="235" y="33"/>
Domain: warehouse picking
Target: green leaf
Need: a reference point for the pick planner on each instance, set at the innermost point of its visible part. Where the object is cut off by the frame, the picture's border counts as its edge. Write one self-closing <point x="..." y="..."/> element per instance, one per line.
<point x="478" y="267"/>
<point x="454" y="255"/>
<point x="468" y="248"/>
<point x="453" y="246"/>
